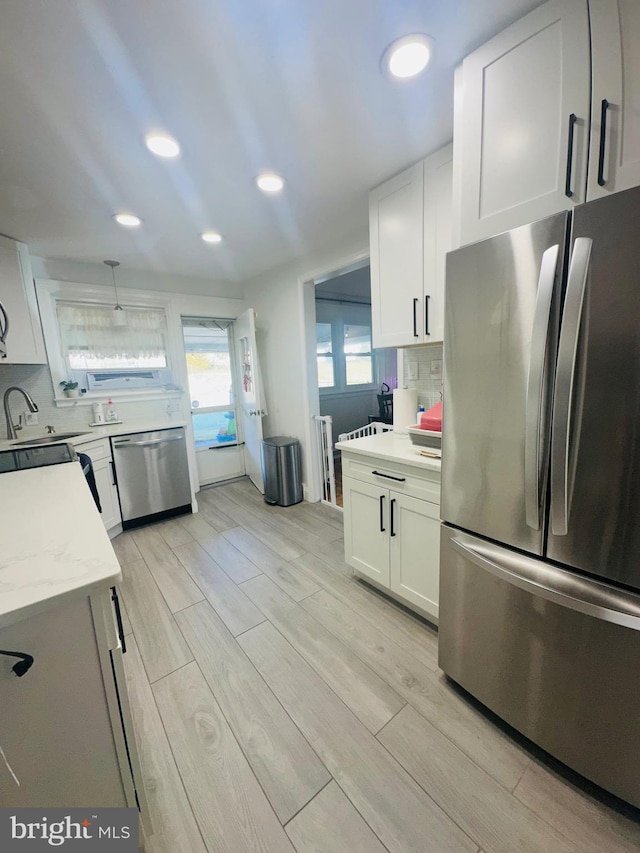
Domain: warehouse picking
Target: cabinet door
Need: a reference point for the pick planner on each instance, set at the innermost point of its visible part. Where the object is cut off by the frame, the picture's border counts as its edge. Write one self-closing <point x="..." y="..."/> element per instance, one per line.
<point x="525" y="121"/>
<point x="103" y="472"/>
<point x="614" y="160"/>
<point x="438" y="177"/>
<point x="25" y="344"/>
<point x="55" y="728"/>
<point x="396" y="238"/>
<point x="414" y="533"/>
<point x="366" y="534"/>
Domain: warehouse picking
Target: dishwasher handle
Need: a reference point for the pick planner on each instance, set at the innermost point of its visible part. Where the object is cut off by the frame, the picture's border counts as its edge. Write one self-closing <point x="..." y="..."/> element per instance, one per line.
<point x="149" y="442"/>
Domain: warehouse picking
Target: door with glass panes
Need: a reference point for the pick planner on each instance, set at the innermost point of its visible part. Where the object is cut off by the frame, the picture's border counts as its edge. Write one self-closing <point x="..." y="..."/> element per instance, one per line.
<point x="211" y="369"/>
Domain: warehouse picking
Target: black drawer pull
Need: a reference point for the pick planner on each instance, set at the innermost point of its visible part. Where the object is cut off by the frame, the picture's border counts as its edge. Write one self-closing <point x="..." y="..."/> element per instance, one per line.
<point x="23" y="665"/>
<point x="116" y="604"/>
<point x="567" y="184"/>
<point x="604" y="106"/>
<point x="393" y="500"/>
<point x="389" y="476"/>
<point x="381" y="513"/>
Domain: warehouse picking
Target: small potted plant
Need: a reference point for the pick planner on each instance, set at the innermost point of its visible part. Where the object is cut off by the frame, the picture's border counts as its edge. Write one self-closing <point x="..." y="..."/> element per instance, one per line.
<point x="70" y="388"/>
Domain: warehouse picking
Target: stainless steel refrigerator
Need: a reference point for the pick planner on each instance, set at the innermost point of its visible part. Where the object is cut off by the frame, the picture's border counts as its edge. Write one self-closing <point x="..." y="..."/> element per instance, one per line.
<point x="540" y="552"/>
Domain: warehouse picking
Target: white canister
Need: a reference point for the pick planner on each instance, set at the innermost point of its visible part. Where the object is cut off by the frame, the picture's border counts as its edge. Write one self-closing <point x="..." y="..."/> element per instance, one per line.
<point x="98" y="413"/>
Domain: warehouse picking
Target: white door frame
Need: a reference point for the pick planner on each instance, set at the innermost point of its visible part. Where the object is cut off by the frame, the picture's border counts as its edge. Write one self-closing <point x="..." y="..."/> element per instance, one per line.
<point x="310" y="393"/>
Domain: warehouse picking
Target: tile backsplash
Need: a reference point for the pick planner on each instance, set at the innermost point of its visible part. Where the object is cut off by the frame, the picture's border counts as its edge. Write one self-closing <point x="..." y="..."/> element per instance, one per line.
<point x="36" y="380"/>
<point x="423" y="371"/>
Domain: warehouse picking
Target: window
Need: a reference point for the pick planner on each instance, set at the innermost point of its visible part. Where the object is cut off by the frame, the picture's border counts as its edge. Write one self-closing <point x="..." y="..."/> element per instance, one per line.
<point x="96" y="337"/>
<point x="326" y="372"/>
<point x="208" y="348"/>
<point x="344" y="357"/>
<point x="357" y="354"/>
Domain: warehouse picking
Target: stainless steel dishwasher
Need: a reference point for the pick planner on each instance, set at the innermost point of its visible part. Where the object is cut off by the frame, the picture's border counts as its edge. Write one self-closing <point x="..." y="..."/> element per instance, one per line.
<point x="152" y="475"/>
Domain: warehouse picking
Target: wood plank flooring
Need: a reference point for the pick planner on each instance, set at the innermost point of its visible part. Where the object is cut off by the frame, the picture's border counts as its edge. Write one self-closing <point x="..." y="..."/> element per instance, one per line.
<point x="282" y="706"/>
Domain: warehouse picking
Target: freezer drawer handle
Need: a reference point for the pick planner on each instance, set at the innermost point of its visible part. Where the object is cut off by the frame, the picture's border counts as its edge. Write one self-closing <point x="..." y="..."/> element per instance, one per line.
<point x="565" y="376"/>
<point x="389" y="477"/>
<point x="535" y="384"/>
<point x="149" y="443"/>
<point x="558" y="586"/>
<point x="604" y="106"/>
<point x="381" y="513"/>
<point x="567" y="184"/>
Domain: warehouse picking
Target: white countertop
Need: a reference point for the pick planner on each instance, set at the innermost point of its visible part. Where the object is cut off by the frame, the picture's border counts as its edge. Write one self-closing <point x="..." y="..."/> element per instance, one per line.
<point x="92" y="433"/>
<point x="53" y="545"/>
<point x="391" y="446"/>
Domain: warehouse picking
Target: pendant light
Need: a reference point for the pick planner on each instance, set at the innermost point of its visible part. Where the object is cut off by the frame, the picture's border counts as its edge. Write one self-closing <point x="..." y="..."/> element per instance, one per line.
<point x="120" y="316"/>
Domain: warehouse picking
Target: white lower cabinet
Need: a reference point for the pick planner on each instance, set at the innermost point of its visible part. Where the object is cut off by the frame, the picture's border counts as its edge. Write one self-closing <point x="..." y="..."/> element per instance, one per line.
<point x="99" y="451"/>
<point x="414" y="540"/>
<point x="394" y="539"/>
<point x="103" y="471"/>
<point x="65" y="727"/>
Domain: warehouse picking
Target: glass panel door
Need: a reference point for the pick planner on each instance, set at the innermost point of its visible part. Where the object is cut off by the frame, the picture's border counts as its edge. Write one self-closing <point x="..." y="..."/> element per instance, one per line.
<point x="208" y="353"/>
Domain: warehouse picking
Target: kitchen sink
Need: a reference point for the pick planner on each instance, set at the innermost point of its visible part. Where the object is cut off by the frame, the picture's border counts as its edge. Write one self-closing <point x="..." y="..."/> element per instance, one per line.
<point x="48" y="439"/>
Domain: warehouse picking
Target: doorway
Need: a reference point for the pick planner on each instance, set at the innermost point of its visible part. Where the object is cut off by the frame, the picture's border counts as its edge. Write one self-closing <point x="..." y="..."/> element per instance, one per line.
<point x="212" y="375"/>
<point x="350" y="374"/>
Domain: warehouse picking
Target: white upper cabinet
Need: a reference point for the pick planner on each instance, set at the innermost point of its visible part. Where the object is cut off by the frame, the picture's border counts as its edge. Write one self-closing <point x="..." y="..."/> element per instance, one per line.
<point x="410" y="234"/>
<point x="524" y="121"/>
<point x="614" y="160"/>
<point x="396" y="238"/>
<point x="24" y="341"/>
<point x="438" y="172"/>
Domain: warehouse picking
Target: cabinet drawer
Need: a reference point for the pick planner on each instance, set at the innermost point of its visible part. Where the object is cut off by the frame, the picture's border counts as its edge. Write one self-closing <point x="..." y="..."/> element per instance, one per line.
<point x="98" y="449"/>
<point x="405" y="479"/>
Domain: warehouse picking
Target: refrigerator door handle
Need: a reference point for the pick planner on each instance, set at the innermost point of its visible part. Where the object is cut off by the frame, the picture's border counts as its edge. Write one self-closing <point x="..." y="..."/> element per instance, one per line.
<point x="565" y="375"/>
<point x="555" y="585"/>
<point x="535" y="384"/>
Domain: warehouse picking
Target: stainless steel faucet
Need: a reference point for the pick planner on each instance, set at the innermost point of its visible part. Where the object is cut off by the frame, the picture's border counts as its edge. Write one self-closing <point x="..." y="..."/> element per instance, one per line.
<point x="11" y="428"/>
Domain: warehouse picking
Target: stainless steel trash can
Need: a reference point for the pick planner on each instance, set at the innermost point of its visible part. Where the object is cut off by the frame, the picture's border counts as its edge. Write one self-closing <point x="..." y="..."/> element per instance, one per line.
<point x="281" y="470"/>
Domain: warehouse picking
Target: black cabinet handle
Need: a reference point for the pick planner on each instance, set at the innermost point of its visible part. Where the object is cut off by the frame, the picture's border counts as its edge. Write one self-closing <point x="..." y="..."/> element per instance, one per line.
<point x="426" y="314"/>
<point x="113" y="473"/>
<point x="393" y="500"/>
<point x="567" y="184"/>
<point x="415" y="318"/>
<point x="389" y="477"/>
<point x="116" y="605"/>
<point x="381" y="513"/>
<point x="23" y="665"/>
<point x="604" y="106"/>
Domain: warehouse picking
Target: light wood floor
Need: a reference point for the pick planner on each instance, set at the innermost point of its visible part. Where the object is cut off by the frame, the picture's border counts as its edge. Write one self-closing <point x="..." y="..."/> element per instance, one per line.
<point x="282" y="706"/>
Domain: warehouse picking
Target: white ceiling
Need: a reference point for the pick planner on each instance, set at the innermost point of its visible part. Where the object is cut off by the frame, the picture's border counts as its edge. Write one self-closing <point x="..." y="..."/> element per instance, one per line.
<point x="245" y="85"/>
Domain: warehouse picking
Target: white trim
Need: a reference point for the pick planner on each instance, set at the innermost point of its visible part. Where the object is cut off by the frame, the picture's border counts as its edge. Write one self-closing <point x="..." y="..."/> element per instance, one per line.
<point x="310" y="394"/>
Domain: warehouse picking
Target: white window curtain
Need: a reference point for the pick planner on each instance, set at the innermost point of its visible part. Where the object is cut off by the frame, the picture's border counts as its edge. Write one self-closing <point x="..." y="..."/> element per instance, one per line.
<point x="94" y="335"/>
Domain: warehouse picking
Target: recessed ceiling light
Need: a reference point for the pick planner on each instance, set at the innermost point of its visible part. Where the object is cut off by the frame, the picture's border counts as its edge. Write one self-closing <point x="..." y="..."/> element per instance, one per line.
<point x="129" y="220"/>
<point x="162" y="145"/>
<point x="211" y="237"/>
<point x="408" y="56"/>
<point x="269" y="182"/>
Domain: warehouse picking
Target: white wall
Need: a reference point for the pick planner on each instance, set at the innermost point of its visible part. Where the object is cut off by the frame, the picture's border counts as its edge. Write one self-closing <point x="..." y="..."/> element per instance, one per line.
<point x="63" y="270"/>
<point x="283" y="304"/>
